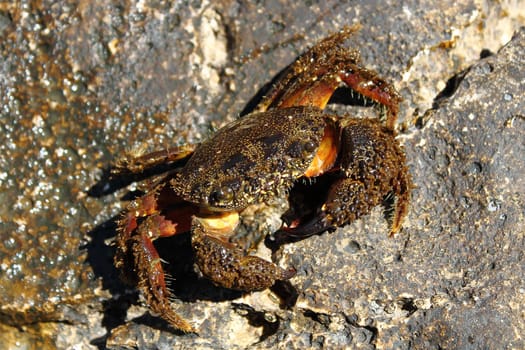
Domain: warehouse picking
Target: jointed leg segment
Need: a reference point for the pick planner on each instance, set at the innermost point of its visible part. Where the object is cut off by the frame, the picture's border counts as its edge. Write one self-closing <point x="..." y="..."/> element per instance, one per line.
<point x="313" y="78"/>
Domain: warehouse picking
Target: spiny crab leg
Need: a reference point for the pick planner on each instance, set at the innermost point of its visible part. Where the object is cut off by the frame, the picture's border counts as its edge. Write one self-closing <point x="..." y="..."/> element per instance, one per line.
<point x="312" y="79"/>
<point x="136" y="162"/>
<point x="151" y="276"/>
<point x="141" y="225"/>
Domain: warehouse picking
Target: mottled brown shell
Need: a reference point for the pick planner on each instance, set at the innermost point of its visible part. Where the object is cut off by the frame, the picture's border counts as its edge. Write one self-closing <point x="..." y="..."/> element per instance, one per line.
<point x="252" y="159"/>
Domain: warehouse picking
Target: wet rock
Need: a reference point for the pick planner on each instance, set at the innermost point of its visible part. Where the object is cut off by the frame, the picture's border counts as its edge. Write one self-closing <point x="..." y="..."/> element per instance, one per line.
<point x="452" y="278"/>
<point x="81" y="84"/>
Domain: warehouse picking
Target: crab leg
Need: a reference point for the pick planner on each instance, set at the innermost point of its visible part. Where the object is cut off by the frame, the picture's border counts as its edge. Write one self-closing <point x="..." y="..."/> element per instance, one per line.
<point x="151" y="276"/>
<point x="401" y="189"/>
<point x="148" y="205"/>
<point x="138" y="163"/>
<point x="312" y="79"/>
<point x="143" y="224"/>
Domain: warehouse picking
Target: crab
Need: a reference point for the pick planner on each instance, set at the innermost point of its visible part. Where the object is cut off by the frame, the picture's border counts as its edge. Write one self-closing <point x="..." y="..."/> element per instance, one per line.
<point x="263" y="155"/>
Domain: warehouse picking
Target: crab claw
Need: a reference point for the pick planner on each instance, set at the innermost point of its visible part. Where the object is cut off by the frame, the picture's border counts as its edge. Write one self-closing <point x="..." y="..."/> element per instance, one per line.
<point x="347" y="200"/>
<point x="372" y="172"/>
<point x="227" y="265"/>
<point x="300" y="230"/>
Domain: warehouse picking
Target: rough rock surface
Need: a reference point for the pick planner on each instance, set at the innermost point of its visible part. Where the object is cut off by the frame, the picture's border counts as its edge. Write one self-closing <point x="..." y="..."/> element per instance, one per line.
<point x="82" y="82"/>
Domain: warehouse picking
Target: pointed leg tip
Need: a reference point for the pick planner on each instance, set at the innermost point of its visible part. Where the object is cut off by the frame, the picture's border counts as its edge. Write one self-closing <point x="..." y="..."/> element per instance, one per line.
<point x="189" y="329"/>
<point x="289" y="273"/>
<point x="177" y="322"/>
<point x="394" y="230"/>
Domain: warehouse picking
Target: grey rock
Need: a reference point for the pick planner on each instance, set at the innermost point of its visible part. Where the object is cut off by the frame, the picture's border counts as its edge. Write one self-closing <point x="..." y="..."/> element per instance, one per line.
<point x="82" y="83"/>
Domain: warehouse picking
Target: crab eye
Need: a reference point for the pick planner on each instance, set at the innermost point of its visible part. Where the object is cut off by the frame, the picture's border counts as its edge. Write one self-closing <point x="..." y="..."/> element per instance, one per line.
<point x="221" y="194"/>
<point x="309" y="146"/>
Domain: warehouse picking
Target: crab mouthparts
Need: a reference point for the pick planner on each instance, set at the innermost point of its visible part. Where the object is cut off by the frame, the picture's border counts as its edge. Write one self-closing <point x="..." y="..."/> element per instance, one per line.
<point x="218" y="223"/>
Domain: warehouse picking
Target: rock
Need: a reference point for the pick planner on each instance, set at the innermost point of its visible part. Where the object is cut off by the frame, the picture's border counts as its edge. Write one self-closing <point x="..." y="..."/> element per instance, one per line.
<point x="452" y="278"/>
<point x="82" y="84"/>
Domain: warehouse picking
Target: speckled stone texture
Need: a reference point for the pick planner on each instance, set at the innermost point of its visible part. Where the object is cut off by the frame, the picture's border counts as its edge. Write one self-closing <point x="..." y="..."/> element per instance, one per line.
<point x="82" y="82"/>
